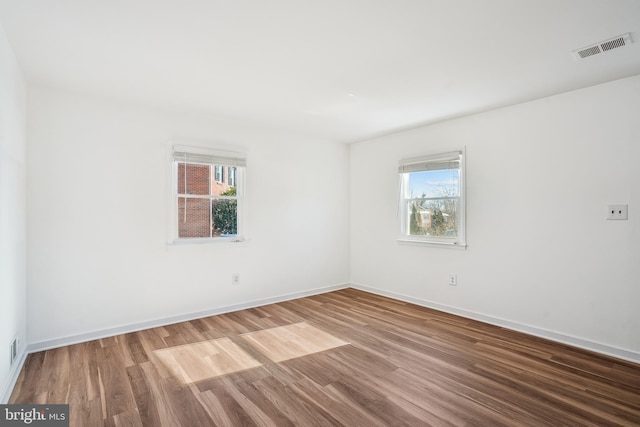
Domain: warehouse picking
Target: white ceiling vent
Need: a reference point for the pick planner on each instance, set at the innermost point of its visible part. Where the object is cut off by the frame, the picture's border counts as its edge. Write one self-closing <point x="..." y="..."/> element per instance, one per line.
<point x="603" y="46"/>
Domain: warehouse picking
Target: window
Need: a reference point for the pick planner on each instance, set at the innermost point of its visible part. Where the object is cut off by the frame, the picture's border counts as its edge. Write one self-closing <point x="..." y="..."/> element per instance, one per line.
<point x="432" y="199"/>
<point x="205" y="206"/>
<point x="231" y="176"/>
<point x="218" y="173"/>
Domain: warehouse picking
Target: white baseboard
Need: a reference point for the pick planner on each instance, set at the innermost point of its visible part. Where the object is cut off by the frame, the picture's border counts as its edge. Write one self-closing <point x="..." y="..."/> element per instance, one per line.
<point x="13" y="377"/>
<point x="605" y="349"/>
<point x="124" y="329"/>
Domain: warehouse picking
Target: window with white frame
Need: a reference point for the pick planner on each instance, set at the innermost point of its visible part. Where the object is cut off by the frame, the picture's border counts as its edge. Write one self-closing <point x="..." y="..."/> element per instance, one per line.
<point x="217" y="169"/>
<point x="432" y="199"/>
<point x="231" y="174"/>
<point x="206" y="207"/>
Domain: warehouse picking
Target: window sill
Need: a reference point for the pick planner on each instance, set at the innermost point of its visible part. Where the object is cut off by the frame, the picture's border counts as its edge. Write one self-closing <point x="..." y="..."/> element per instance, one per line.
<point x="432" y="243"/>
<point x="205" y="241"/>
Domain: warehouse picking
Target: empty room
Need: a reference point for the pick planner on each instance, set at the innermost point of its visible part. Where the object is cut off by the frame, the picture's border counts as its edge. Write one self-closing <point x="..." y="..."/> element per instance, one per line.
<point x="319" y="213"/>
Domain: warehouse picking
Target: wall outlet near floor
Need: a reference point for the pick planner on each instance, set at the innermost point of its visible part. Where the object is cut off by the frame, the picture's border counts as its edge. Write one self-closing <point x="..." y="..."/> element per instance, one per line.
<point x="617" y="212"/>
<point x="453" y="280"/>
<point x="235" y="279"/>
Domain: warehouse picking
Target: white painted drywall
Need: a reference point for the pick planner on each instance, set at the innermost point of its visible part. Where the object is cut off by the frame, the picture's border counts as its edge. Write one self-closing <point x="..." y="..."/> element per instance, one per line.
<point x="13" y="270"/>
<point x="98" y="194"/>
<point x="540" y="252"/>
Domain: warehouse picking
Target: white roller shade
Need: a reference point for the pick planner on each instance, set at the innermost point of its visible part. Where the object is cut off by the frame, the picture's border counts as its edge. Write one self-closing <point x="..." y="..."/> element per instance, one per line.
<point x="443" y="161"/>
<point x="209" y="157"/>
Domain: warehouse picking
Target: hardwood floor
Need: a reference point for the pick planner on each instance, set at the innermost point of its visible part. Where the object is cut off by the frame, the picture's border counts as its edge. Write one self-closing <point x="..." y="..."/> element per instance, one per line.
<point x="342" y="358"/>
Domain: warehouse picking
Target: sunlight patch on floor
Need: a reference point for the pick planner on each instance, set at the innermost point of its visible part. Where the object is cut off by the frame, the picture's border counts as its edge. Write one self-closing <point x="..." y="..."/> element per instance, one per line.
<point x="207" y="359"/>
<point x="291" y="341"/>
<point x="203" y="360"/>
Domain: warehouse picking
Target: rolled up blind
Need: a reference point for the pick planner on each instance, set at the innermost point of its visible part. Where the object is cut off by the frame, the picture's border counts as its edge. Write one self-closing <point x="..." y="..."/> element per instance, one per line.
<point x="443" y="161"/>
<point x="206" y="156"/>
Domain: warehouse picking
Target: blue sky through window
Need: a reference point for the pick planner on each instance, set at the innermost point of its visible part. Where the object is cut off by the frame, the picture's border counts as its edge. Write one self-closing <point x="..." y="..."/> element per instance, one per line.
<point x="436" y="183"/>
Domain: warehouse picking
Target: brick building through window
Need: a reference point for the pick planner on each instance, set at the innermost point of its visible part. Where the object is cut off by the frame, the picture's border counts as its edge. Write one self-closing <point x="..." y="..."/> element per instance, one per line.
<point x="207" y="206"/>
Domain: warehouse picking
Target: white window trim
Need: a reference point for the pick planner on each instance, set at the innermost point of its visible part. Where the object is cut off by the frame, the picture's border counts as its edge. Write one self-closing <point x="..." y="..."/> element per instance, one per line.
<point x="413" y="164"/>
<point x="224" y="157"/>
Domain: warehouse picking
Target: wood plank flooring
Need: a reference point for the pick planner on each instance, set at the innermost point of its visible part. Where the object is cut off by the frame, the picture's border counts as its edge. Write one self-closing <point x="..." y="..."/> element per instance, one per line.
<point x="341" y="358"/>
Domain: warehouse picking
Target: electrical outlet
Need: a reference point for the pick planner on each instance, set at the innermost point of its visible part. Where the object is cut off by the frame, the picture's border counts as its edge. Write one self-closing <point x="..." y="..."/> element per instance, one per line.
<point x="453" y="280"/>
<point x="617" y="212"/>
<point x="235" y="279"/>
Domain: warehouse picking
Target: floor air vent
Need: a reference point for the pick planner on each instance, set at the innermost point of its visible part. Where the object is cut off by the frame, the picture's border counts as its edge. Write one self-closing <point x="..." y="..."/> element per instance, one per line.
<point x="603" y="46"/>
<point x="14" y="350"/>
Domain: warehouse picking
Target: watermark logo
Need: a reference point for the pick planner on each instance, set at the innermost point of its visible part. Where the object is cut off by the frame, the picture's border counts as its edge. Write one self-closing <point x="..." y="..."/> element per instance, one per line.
<point x="34" y="415"/>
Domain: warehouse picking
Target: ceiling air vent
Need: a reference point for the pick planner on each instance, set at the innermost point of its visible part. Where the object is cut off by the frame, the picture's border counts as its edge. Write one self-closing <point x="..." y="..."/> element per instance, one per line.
<point x="603" y="46"/>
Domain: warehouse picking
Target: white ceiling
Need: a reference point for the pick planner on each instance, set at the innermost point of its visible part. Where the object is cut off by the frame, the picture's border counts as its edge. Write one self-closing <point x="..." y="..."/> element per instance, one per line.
<point x="340" y="69"/>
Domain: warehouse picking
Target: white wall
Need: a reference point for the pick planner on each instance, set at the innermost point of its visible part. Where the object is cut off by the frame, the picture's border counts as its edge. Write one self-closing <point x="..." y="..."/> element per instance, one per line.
<point x="13" y="284"/>
<point x="98" y="195"/>
<point x="541" y="256"/>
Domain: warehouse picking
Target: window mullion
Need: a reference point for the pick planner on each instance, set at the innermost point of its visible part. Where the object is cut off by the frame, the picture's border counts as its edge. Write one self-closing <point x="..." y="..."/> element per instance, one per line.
<point x="434" y="198"/>
<point x="194" y="196"/>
